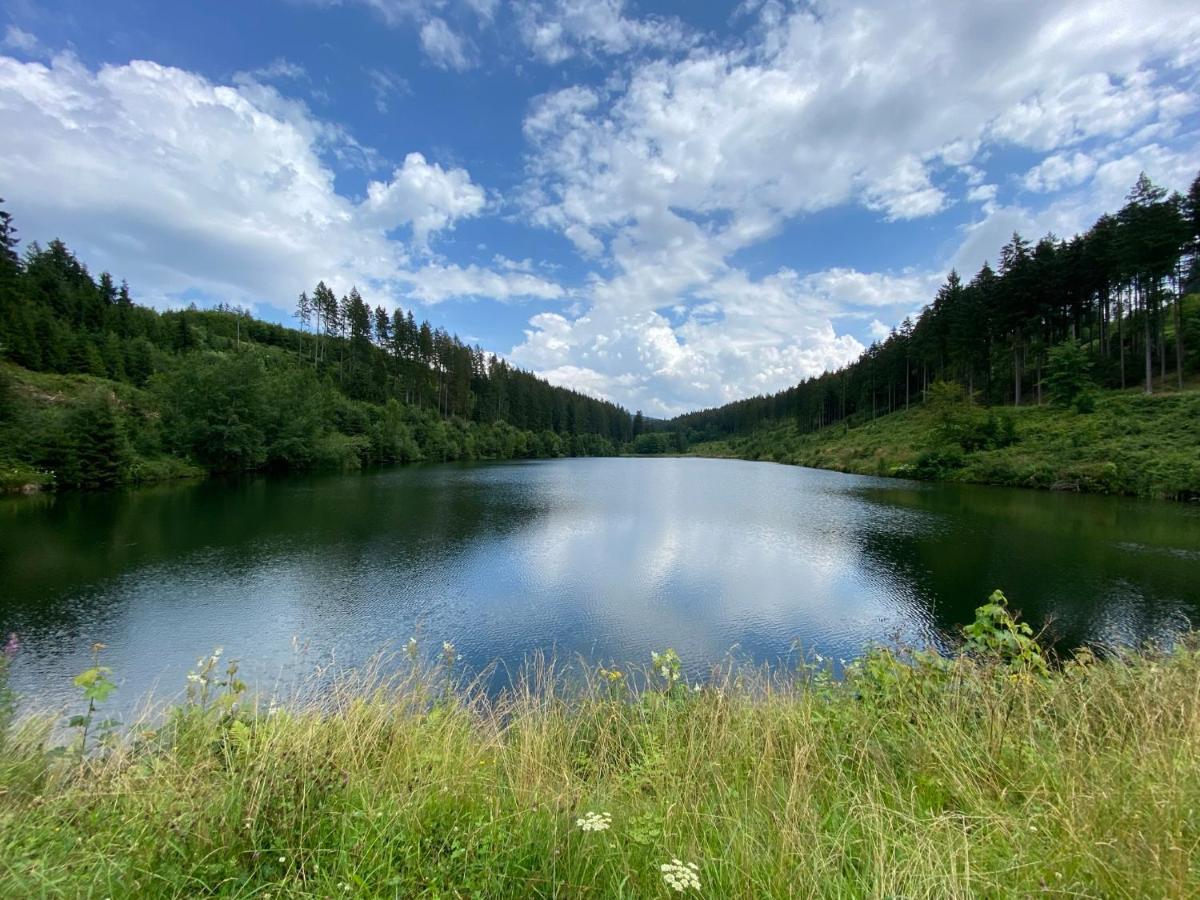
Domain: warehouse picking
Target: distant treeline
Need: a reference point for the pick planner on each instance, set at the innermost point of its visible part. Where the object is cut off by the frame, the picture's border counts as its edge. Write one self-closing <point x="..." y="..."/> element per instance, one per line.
<point x="1120" y="292"/>
<point x="351" y="386"/>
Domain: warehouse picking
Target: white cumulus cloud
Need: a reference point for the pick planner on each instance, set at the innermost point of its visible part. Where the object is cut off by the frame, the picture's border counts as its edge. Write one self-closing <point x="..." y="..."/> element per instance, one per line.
<point x="666" y="173"/>
<point x="183" y="184"/>
<point x="425" y="196"/>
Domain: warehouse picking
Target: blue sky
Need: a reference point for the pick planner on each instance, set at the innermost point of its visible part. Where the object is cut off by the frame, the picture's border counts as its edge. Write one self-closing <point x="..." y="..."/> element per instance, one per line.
<point x="671" y="205"/>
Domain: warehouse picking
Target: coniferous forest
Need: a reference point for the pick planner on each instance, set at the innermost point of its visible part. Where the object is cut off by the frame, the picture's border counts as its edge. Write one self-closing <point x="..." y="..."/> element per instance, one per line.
<point x="218" y="390"/>
<point x="221" y="391"/>
<point x="1115" y="307"/>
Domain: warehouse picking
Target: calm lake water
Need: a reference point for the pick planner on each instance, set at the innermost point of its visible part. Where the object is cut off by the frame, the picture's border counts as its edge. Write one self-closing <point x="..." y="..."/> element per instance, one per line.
<point x="609" y="558"/>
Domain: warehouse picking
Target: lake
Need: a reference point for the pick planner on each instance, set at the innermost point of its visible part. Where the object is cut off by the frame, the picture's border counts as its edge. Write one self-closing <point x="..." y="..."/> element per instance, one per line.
<point x="605" y="558"/>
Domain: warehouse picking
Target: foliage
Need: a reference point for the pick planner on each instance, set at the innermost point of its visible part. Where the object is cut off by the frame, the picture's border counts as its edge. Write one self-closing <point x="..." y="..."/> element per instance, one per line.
<point x="917" y="774"/>
<point x="668" y="666"/>
<point x="960" y="422"/>
<point x="95" y="686"/>
<point x="1069" y="377"/>
<point x="997" y="633"/>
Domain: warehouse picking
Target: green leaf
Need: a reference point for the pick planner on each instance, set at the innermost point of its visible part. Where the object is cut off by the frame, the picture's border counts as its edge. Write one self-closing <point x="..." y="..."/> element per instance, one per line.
<point x="100" y="690"/>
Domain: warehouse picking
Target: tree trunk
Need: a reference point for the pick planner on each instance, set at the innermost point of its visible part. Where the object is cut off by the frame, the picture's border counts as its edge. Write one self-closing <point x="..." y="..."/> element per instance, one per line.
<point x="1147" y="340"/>
<point x="1017" y="368"/>
<point x="1121" y="338"/>
<point x="1179" y="337"/>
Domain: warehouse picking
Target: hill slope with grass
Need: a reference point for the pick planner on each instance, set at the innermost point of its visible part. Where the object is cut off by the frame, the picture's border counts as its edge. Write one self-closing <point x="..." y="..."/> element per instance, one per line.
<point x="1130" y="443"/>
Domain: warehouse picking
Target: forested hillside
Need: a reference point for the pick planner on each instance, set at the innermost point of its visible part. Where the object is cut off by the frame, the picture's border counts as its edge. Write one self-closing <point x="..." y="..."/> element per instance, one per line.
<point x="99" y="390"/>
<point x="1119" y="300"/>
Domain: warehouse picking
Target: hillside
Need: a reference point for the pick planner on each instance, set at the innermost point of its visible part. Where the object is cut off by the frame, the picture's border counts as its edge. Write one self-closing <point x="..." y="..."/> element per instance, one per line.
<point x="228" y="413"/>
<point x="1147" y="446"/>
<point x="97" y="390"/>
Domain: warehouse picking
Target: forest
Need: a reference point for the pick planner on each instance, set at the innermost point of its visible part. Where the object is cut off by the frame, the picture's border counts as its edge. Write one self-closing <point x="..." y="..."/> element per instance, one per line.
<point x="100" y="390"/>
<point x="1115" y="307"/>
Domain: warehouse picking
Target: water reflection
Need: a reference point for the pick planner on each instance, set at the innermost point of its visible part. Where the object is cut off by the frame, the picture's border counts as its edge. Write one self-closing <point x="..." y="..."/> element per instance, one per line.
<point x="605" y="558"/>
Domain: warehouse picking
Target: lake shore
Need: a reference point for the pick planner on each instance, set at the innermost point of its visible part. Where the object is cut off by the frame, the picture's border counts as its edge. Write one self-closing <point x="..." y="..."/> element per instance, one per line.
<point x="1131" y="444"/>
<point x="916" y="775"/>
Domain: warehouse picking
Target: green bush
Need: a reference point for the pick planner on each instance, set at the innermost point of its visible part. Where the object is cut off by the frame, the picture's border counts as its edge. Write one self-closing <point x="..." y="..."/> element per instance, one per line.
<point x="1069" y="377"/>
<point x="938" y="462"/>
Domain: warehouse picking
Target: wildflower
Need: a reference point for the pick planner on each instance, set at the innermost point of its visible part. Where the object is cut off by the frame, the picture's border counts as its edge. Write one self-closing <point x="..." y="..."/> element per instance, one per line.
<point x="449" y="653"/>
<point x="681" y="877"/>
<point x="411" y="648"/>
<point x="667" y="664"/>
<point x="13" y="646"/>
<point x="594" y="821"/>
<point x="282" y="859"/>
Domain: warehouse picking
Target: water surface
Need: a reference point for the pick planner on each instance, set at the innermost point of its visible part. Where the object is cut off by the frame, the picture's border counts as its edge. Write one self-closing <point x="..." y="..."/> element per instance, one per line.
<point x="608" y="558"/>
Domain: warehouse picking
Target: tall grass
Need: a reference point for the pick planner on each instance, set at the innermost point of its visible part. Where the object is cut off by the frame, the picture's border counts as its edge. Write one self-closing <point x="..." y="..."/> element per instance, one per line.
<point x="912" y="776"/>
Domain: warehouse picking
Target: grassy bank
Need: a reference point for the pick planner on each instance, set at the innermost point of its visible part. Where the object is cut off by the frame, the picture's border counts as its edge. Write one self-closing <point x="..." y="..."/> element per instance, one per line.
<point x="914" y="777"/>
<point x="1130" y="444"/>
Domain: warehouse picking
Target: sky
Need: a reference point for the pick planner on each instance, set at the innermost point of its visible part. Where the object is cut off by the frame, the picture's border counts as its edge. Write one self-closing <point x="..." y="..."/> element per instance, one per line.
<point x="670" y="205"/>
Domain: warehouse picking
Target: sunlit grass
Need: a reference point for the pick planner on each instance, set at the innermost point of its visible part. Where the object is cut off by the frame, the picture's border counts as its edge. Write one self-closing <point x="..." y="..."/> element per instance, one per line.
<point x="1130" y="444"/>
<point x="910" y="778"/>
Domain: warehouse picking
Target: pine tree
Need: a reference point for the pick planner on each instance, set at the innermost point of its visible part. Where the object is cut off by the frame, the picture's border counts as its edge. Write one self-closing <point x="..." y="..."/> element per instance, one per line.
<point x="183" y="339"/>
<point x="92" y="451"/>
<point x="303" y="313"/>
<point x="10" y="261"/>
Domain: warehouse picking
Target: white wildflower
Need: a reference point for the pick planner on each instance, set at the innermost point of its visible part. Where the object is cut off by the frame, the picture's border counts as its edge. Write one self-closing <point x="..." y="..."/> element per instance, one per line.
<point x="681" y="876"/>
<point x="594" y="821"/>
